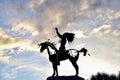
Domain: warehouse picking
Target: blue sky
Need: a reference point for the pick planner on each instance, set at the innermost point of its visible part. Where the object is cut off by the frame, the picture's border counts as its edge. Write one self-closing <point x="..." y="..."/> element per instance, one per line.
<point x="25" y="23"/>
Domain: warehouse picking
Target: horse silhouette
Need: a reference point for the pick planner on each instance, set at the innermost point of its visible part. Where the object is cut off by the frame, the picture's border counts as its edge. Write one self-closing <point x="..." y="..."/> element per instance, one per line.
<point x="63" y="56"/>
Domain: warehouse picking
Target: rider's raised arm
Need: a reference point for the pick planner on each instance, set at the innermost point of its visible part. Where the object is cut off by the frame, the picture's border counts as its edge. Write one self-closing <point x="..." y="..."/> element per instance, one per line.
<point x="59" y="35"/>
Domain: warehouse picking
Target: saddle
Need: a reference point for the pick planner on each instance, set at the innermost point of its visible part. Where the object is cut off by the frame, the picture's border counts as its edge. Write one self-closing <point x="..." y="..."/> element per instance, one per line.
<point x="61" y="55"/>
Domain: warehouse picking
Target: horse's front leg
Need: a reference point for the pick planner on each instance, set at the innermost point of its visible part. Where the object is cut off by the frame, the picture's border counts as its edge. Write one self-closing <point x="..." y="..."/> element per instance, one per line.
<point x="56" y="70"/>
<point x="53" y="69"/>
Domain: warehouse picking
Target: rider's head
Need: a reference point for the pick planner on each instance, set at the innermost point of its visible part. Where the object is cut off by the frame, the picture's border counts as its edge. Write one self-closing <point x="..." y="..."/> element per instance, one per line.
<point x="69" y="36"/>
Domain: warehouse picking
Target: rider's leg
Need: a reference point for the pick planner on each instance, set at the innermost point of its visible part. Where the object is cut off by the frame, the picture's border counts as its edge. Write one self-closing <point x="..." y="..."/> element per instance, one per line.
<point x="57" y="58"/>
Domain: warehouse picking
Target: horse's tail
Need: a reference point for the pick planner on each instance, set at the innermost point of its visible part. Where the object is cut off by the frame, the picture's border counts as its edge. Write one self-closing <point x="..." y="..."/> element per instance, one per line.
<point x="74" y="58"/>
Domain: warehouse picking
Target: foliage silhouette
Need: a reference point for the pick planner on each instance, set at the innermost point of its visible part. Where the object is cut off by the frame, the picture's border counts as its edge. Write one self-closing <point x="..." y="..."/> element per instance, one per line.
<point x="119" y="76"/>
<point x="104" y="76"/>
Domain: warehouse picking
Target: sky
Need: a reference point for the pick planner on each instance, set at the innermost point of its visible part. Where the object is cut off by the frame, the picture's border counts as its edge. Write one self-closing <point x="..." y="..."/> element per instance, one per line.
<point x="25" y="23"/>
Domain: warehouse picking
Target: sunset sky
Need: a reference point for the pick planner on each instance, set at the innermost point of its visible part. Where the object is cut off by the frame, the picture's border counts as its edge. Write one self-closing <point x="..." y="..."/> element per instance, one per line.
<point x="25" y="23"/>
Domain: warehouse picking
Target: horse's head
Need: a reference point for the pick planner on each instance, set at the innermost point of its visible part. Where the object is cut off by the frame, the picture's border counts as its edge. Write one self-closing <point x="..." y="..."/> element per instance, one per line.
<point x="43" y="46"/>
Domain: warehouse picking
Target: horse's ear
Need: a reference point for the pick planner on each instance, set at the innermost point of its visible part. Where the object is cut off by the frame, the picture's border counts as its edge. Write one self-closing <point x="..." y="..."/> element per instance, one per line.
<point x="43" y="47"/>
<point x="39" y="45"/>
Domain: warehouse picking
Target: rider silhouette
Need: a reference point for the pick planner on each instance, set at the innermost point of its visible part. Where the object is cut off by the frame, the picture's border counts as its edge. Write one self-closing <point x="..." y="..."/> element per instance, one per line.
<point x="64" y="38"/>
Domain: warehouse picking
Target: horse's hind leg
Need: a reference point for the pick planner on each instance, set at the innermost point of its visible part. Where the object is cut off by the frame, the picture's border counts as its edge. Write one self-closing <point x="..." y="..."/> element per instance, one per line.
<point x="56" y="69"/>
<point x="76" y="67"/>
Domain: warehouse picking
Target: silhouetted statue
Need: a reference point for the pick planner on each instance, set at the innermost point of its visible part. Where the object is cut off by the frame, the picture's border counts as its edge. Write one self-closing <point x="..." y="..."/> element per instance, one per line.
<point x="63" y="56"/>
<point x="62" y="53"/>
<point x="64" y="38"/>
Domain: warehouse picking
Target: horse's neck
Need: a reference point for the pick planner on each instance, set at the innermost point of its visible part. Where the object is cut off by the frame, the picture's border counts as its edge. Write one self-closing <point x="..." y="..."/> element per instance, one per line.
<point x="48" y="51"/>
<point x="53" y="48"/>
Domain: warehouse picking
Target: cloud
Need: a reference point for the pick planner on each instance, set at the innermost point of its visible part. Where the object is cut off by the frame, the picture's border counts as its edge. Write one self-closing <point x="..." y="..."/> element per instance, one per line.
<point x="57" y="14"/>
<point x="9" y="44"/>
<point x="116" y="33"/>
<point x="24" y="27"/>
<point x="104" y="29"/>
<point x="49" y="14"/>
<point x="95" y="4"/>
<point x="30" y="22"/>
<point x="4" y="58"/>
<point x="34" y="4"/>
<point x="85" y="4"/>
<point x="114" y="15"/>
<point x="79" y="34"/>
<point x="6" y="41"/>
<point x="18" y="67"/>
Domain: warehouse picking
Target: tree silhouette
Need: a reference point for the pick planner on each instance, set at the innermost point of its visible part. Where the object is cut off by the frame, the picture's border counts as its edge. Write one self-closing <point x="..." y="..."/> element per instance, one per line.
<point x="104" y="76"/>
<point x="119" y="76"/>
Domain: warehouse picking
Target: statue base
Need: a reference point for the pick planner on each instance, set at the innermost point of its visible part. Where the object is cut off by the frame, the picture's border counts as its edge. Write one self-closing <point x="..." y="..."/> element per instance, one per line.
<point x="65" y="78"/>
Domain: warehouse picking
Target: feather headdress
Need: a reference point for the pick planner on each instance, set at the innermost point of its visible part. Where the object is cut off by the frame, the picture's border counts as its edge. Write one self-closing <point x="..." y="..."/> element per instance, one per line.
<point x="69" y="36"/>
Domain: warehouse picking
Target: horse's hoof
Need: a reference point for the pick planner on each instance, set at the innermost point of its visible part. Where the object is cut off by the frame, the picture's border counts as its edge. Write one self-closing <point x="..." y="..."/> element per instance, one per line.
<point x="76" y="75"/>
<point x="53" y="75"/>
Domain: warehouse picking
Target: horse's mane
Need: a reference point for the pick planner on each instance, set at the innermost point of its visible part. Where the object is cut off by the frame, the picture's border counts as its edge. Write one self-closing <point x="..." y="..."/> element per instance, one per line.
<point x="46" y="44"/>
<point x="51" y="44"/>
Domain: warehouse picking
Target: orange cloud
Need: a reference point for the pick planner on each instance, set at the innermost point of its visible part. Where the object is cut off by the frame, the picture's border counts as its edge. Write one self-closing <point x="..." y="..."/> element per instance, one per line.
<point x="23" y="27"/>
<point x="4" y="58"/>
<point x="104" y="29"/>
